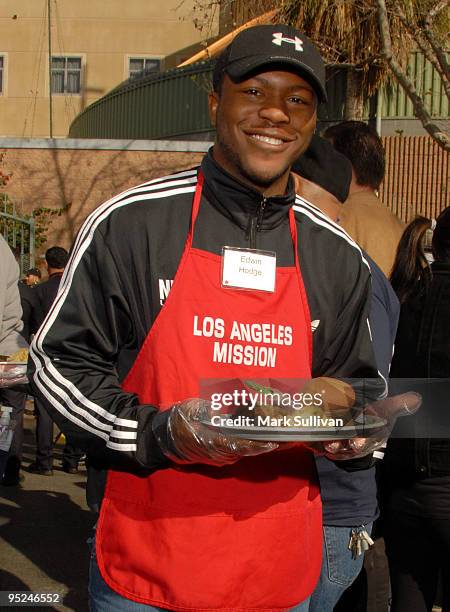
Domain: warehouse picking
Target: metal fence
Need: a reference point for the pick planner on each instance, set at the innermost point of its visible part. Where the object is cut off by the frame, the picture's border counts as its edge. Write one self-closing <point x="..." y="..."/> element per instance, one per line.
<point x="19" y="232"/>
<point x="417" y="177"/>
<point x="429" y="86"/>
<point x="174" y="105"/>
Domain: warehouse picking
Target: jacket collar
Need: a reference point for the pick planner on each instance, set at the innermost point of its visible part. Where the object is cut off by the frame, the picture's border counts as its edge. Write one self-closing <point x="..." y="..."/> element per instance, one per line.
<point x="238" y="201"/>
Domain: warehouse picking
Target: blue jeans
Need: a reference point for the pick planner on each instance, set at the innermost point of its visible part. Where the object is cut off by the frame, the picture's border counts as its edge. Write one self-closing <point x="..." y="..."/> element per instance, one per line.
<point x="104" y="599"/>
<point x="339" y="569"/>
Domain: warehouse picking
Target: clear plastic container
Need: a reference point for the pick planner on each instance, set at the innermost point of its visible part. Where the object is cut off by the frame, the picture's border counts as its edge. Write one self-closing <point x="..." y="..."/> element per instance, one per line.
<point x="13" y="373"/>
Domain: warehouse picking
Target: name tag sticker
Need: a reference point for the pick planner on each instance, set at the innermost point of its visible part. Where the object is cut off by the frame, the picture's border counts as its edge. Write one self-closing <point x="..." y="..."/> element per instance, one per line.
<point x="248" y="269"/>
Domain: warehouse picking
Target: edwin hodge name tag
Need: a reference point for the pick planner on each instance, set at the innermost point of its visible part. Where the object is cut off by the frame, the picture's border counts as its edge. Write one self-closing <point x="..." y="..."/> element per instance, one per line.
<point x="248" y="269"/>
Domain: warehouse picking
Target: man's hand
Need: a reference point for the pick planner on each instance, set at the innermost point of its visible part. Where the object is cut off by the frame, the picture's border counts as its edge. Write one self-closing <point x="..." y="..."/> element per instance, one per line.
<point x="389" y="409"/>
<point x="188" y="440"/>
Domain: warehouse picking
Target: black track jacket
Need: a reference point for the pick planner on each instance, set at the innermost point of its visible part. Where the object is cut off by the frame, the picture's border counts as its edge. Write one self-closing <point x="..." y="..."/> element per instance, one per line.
<point x="121" y="268"/>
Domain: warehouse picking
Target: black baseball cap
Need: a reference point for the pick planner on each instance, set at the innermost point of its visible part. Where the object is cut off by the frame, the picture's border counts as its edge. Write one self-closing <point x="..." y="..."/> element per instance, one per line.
<point x="323" y="165"/>
<point x="272" y="45"/>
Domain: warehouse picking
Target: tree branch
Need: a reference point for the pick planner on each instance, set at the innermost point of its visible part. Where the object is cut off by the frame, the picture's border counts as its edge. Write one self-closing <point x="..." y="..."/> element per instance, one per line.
<point x="438" y="50"/>
<point x="444" y="66"/>
<point x="433" y="12"/>
<point x="437" y="59"/>
<point x="419" y="108"/>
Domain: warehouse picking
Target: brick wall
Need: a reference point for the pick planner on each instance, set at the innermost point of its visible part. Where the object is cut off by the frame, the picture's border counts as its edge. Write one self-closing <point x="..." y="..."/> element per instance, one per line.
<point x="84" y="179"/>
<point x="417" y="175"/>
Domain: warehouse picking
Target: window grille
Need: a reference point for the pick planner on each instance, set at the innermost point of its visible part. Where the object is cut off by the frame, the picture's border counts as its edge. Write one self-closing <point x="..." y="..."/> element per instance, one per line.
<point x="66" y="75"/>
<point x="138" y="66"/>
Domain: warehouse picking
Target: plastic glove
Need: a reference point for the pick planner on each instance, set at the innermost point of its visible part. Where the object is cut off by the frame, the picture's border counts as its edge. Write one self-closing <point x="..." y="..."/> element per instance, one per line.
<point x="389" y="409"/>
<point x="188" y="440"/>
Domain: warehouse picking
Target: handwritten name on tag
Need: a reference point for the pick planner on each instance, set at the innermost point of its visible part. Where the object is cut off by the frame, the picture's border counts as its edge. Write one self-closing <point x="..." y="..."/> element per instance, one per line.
<point x="248" y="269"/>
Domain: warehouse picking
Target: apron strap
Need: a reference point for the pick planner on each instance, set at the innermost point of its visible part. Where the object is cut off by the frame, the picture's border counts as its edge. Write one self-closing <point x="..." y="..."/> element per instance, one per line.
<point x="294" y="236"/>
<point x="195" y="207"/>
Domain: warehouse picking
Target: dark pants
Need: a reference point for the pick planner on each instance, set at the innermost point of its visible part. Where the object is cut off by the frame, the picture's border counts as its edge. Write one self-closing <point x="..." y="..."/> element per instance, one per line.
<point x="44" y="436"/>
<point x="418" y="548"/>
<point x="16" y="399"/>
<point x="71" y="455"/>
<point x="44" y="441"/>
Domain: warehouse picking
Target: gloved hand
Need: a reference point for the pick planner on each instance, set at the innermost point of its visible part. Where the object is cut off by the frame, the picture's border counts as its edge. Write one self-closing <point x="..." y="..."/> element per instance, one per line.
<point x="337" y="400"/>
<point x="187" y="440"/>
<point x="389" y="409"/>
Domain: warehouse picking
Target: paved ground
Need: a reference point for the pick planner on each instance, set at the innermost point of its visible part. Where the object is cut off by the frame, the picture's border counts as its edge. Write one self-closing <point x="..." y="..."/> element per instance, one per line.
<point x="44" y="524"/>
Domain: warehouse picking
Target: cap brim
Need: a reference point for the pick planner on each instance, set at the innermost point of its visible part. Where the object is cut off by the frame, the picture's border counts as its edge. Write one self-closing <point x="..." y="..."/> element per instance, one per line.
<point x="239" y="69"/>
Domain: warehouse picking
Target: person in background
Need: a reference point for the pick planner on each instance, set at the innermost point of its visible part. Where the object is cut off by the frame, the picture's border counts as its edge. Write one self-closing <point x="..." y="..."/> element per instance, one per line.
<point x="368" y="221"/>
<point x="30" y="304"/>
<point x="56" y="260"/>
<point x="16" y="397"/>
<point x="348" y="488"/>
<point x="33" y="277"/>
<point x="411" y="269"/>
<point x="416" y="477"/>
<point x="11" y="341"/>
<point x="323" y="175"/>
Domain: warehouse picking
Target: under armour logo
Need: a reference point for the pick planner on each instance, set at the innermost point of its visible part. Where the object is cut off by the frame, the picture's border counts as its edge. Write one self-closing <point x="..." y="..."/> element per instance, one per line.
<point x="278" y="39"/>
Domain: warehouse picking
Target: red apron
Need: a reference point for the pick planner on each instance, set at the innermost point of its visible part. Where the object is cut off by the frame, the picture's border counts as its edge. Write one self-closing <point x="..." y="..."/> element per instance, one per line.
<point x="201" y="538"/>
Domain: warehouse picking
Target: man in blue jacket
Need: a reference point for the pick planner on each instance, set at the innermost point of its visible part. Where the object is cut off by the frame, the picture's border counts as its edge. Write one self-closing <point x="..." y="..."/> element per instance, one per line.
<point x="348" y="488"/>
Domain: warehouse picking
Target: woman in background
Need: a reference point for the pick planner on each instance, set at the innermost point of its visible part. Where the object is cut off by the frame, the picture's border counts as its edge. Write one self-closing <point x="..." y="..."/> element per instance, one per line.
<point x="417" y="481"/>
<point x="411" y="272"/>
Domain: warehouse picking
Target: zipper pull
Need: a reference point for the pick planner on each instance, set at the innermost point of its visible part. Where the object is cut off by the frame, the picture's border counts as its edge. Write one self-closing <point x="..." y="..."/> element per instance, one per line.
<point x="261" y="210"/>
<point x="255" y="222"/>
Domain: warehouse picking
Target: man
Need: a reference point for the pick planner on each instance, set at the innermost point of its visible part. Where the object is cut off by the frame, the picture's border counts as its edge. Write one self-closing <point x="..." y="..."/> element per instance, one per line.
<point x="348" y="488"/>
<point x="323" y="176"/>
<point x="16" y="397"/>
<point x="371" y="224"/>
<point x="33" y="277"/>
<point x="11" y="341"/>
<point x="29" y="303"/>
<point x="56" y="260"/>
<point x="192" y="518"/>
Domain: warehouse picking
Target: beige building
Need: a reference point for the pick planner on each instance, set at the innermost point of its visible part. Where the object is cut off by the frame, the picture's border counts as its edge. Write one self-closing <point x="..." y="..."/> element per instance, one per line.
<point x="95" y="45"/>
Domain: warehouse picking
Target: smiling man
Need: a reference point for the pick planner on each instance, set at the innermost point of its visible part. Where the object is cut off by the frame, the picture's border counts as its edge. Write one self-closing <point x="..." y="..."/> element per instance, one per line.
<point x="191" y="518"/>
<point x="264" y="103"/>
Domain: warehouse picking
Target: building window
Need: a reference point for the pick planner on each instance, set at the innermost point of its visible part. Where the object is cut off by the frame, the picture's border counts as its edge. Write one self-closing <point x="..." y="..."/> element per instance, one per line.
<point x="137" y="66"/>
<point x="2" y="68"/>
<point x="66" y="75"/>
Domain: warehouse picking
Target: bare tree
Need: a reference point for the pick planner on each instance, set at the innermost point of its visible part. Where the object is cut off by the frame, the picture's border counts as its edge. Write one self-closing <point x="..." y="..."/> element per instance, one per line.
<point x="427" y="39"/>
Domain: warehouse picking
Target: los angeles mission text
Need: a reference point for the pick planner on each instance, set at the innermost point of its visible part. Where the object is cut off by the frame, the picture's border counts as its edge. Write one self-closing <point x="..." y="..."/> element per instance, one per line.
<point x="252" y="344"/>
